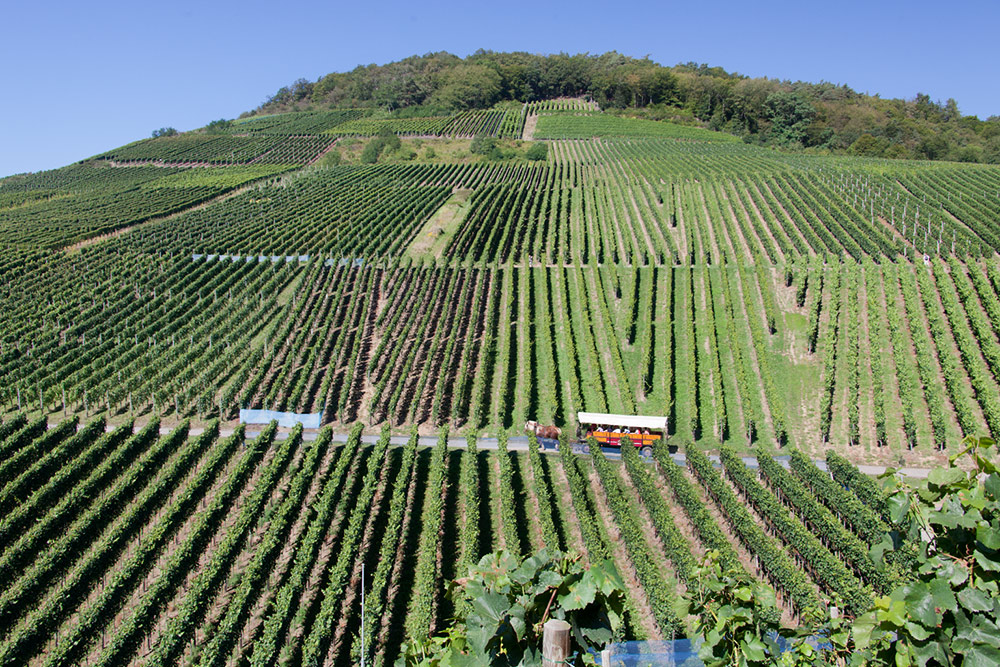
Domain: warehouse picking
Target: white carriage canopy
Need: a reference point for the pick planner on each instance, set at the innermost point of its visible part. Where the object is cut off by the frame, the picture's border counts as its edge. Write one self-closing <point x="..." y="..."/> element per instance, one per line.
<point x="630" y="421"/>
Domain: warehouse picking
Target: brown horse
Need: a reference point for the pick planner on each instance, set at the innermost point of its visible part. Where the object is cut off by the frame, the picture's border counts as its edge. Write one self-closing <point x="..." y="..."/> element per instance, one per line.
<point x="540" y="431"/>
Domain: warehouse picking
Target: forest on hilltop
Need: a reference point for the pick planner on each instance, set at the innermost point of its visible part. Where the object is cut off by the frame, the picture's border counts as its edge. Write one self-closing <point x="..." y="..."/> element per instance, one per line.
<point x="815" y="117"/>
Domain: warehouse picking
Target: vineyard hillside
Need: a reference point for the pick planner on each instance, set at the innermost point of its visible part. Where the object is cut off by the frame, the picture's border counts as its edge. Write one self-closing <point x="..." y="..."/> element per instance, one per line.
<point x="460" y="275"/>
<point x="754" y="297"/>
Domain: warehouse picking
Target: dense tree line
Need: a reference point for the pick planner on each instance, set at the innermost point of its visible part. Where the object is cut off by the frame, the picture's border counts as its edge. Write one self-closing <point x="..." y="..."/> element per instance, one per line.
<point x="798" y="115"/>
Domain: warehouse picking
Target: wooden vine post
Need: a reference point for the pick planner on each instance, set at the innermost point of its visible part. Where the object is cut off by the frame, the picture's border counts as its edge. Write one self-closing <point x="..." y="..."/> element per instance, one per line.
<point x="555" y="643"/>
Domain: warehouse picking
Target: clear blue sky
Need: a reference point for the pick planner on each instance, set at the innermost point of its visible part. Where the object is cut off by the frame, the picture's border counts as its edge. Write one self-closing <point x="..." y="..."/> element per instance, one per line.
<point x="80" y="78"/>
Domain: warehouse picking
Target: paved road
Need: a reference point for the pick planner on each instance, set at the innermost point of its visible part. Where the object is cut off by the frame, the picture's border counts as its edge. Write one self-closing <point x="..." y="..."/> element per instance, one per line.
<point x="520" y="443"/>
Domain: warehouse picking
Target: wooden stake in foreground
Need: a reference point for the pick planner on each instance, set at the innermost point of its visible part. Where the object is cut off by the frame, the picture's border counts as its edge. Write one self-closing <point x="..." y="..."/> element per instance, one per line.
<point x="555" y="643"/>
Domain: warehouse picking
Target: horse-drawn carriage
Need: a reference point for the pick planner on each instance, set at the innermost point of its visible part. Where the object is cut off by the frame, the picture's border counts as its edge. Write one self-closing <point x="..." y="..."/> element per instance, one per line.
<point x="608" y="430"/>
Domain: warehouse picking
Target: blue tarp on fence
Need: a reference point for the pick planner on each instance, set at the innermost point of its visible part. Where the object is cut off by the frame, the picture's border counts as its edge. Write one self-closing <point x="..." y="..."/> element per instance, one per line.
<point x="288" y="419"/>
<point x="676" y="653"/>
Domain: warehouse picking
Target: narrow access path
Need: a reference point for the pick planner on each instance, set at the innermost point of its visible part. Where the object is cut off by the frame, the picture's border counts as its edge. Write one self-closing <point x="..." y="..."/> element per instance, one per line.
<point x="520" y="443"/>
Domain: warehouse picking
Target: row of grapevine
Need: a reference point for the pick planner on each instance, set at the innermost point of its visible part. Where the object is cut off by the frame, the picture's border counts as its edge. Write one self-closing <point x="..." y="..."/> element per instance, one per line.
<point x="287" y="613"/>
<point x="544" y="494"/>
<point x="201" y="590"/>
<point x="824" y="524"/>
<point x="970" y="347"/>
<point x="852" y="356"/>
<point x="115" y="593"/>
<point x="772" y="393"/>
<point x="420" y="616"/>
<point x="675" y="544"/>
<point x="784" y="573"/>
<point x="712" y="332"/>
<point x="878" y="344"/>
<point x="81" y="578"/>
<point x="226" y="633"/>
<point x="830" y="339"/>
<point x="379" y="587"/>
<point x="662" y="600"/>
<point x="926" y="363"/>
<point x="594" y="533"/>
<point x="508" y="500"/>
<point x="864" y="487"/>
<point x="686" y="366"/>
<point x="823" y="565"/>
<point x="69" y="491"/>
<point x="128" y="637"/>
<point x="318" y="640"/>
<point x="471" y="538"/>
<point x="725" y="306"/>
